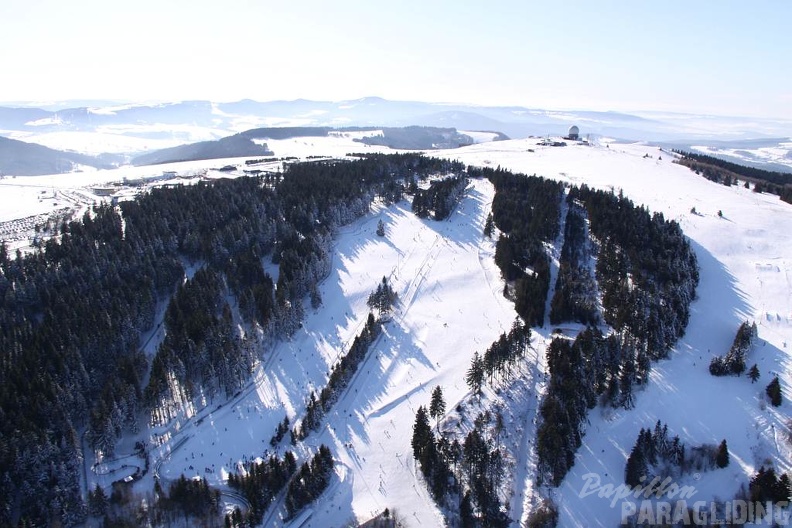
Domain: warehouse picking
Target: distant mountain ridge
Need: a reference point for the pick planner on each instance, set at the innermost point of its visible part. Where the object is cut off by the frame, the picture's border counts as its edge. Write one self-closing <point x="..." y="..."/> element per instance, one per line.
<point x="133" y="130"/>
<point x="231" y="147"/>
<point x="514" y="121"/>
<point x="245" y="144"/>
<point x="368" y="111"/>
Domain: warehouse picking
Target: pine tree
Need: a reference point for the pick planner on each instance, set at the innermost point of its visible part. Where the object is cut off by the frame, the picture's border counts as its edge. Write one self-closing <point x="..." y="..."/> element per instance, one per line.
<point x="722" y="457"/>
<point x="380" y="229"/>
<point x="4" y="257"/>
<point x="316" y="297"/>
<point x="753" y="373"/>
<point x="783" y="488"/>
<point x="466" y="514"/>
<point x="437" y="406"/>
<point x="636" y="466"/>
<point x="423" y="439"/>
<point x="475" y="374"/>
<point x="488" y="226"/>
<point x="773" y="391"/>
<point x="97" y="502"/>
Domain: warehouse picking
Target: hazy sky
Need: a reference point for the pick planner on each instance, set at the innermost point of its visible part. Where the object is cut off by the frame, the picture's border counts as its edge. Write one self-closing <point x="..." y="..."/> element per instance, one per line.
<point x="725" y="57"/>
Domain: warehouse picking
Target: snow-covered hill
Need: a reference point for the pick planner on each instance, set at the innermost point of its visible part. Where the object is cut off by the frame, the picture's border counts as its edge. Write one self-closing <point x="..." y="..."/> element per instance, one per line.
<point x="746" y="262"/>
<point x="451" y="305"/>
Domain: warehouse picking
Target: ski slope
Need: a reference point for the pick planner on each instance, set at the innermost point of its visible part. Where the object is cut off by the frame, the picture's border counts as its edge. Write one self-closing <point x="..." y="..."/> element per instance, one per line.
<point x="449" y="307"/>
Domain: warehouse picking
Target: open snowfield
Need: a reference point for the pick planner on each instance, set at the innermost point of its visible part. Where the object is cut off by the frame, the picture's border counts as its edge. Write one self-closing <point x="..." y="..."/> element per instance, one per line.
<point x="337" y="144"/>
<point x="451" y="305"/>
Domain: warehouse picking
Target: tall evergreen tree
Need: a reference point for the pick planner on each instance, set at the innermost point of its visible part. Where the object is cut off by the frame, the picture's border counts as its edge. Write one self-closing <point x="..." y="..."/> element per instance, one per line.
<point x="489" y="225"/>
<point x="423" y="440"/>
<point x="773" y="391"/>
<point x="636" y="467"/>
<point x="722" y="457"/>
<point x="437" y="406"/>
<point x="475" y="374"/>
<point x="97" y="502"/>
<point x="467" y="516"/>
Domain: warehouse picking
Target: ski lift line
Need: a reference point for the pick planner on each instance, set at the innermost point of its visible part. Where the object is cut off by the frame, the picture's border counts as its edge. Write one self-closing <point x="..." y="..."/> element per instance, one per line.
<point x="419" y="277"/>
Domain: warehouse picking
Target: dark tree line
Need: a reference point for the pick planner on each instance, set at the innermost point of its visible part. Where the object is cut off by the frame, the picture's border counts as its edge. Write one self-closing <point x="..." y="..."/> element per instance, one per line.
<point x="440" y="198"/>
<point x="280" y="432"/>
<point x="383" y="298"/>
<point x="73" y="311"/>
<point x="69" y="326"/>
<point x="432" y="463"/>
<point x="527" y="211"/>
<point x="188" y="499"/>
<point x="500" y="358"/>
<point x="417" y="138"/>
<point x="733" y="363"/>
<point x="252" y="287"/>
<point x="310" y="481"/>
<point x="651" y="450"/>
<point x="340" y="376"/>
<point x="481" y="470"/>
<point x="463" y="477"/>
<point x="562" y="411"/>
<point x="593" y="369"/>
<point x="647" y="274"/>
<point x="656" y="456"/>
<point x="261" y="482"/>
<point x="725" y="172"/>
<point x="767" y="486"/>
<point x="646" y="270"/>
<point x="201" y="348"/>
<point x="576" y="295"/>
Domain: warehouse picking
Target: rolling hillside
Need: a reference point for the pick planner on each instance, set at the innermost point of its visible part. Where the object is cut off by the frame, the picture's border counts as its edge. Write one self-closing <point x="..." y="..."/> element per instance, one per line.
<point x="19" y="158"/>
<point x="451" y="305"/>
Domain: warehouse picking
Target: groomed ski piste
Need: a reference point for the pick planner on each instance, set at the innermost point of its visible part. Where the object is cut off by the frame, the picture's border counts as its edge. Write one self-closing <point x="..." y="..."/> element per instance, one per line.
<point x="451" y="305"/>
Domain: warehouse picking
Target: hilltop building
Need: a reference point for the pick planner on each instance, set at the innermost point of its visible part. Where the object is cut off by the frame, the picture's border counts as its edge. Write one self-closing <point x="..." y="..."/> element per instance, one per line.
<point x="574" y="133"/>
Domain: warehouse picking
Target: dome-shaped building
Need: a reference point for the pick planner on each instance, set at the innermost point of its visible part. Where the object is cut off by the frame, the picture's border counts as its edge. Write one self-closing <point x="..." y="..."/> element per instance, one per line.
<point x="574" y="133"/>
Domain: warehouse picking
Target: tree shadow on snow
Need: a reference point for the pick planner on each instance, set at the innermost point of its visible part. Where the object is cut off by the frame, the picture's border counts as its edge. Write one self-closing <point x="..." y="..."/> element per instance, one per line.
<point x="462" y="228"/>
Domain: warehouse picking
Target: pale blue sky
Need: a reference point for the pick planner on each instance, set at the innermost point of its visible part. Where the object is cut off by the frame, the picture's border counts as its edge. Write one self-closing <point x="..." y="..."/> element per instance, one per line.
<point x="720" y="57"/>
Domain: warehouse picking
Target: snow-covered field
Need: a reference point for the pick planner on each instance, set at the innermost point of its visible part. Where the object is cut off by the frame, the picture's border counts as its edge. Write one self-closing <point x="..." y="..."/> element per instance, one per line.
<point x="337" y="144"/>
<point x="451" y="305"/>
